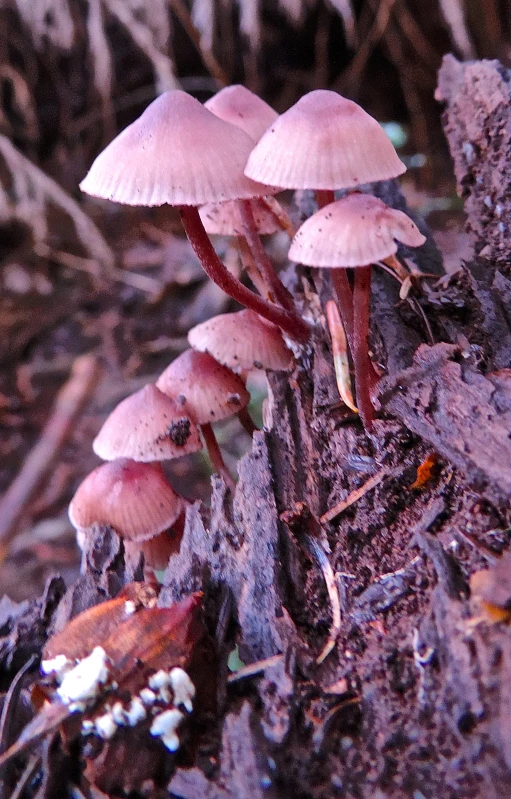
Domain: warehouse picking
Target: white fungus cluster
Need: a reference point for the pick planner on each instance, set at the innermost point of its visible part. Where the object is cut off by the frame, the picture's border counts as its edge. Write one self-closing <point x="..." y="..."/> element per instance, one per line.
<point x="116" y="715"/>
<point x="164" y="688"/>
<point x="174" y="686"/>
<point x="78" y="682"/>
<point x="82" y="681"/>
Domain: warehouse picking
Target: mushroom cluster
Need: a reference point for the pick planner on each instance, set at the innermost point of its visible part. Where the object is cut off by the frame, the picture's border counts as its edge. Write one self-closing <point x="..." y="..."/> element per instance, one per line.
<point x="167" y="420"/>
<point x="221" y="164"/>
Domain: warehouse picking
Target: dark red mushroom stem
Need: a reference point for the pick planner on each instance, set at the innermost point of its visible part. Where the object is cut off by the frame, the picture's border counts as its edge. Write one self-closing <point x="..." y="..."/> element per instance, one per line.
<point x="247" y="422"/>
<point x="290" y="323"/>
<point x="364" y="374"/>
<point x="263" y="263"/>
<point x="216" y="456"/>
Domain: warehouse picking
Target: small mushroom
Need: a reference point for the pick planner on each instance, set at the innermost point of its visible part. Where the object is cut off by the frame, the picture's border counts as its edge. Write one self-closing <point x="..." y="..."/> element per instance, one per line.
<point x="212" y="392"/>
<point x="148" y="426"/>
<point x="355" y="232"/>
<point x="250" y="218"/>
<point x="242" y="341"/>
<point x="136" y="500"/>
<point x="179" y="153"/>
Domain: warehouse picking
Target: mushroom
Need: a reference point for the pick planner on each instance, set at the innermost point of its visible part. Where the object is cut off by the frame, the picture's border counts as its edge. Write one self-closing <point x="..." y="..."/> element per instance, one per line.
<point x="212" y="392"/>
<point x="136" y="501"/>
<point x="241" y="107"/>
<point x="326" y="142"/>
<point x="148" y="426"/>
<point x="179" y="153"/>
<point x="355" y="232"/>
<point x="225" y="219"/>
<point x="323" y="142"/>
<point x="242" y="341"/>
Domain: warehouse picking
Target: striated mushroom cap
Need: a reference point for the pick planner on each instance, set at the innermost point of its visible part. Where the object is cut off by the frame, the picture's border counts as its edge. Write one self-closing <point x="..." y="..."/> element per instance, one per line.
<point x="242" y="341"/>
<point x="355" y="231"/>
<point x="178" y="153"/>
<point x="241" y="107"/>
<point x="225" y="218"/>
<point x="133" y="498"/>
<point x="324" y="141"/>
<point x="211" y="391"/>
<point x="148" y="426"/>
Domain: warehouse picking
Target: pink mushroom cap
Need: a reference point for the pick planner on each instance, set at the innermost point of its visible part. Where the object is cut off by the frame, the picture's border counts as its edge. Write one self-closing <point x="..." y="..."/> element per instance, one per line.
<point x="241" y="107"/>
<point x="324" y="141"/>
<point x="178" y="153"/>
<point x="211" y="391"/>
<point x="133" y="498"/>
<point x="148" y="426"/>
<point x="242" y="341"/>
<point x="355" y="231"/>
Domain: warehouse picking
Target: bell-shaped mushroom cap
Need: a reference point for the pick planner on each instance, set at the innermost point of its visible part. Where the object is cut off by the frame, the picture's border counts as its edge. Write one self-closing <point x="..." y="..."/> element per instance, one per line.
<point x="241" y="107"/>
<point x="242" y="341"/>
<point x="178" y="153"/>
<point x="133" y="498"/>
<point x="225" y="218"/>
<point x="324" y="141"/>
<point x="148" y="426"/>
<point x="355" y="231"/>
<point x="211" y="391"/>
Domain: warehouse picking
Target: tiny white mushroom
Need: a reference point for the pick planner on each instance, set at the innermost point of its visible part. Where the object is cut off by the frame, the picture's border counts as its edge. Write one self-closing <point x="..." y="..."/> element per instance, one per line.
<point x="147" y="696"/>
<point x="87" y="726"/>
<point x="105" y="726"/>
<point x="160" y="679"/>
<point x="118" y="713"/>
<point x="58" y="666"/>
<point x="164" y="726"/>
<point x="136" y="712"/>
<point x="183" y="687"/>
<point x="83" y="681"/>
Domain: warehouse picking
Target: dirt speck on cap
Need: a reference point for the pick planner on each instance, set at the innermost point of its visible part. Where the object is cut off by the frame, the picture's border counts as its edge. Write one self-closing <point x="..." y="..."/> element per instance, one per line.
<point x="179" y="432"/>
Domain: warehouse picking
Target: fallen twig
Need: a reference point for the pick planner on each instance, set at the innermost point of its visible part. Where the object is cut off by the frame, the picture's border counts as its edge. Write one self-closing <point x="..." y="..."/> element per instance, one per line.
<point x="333" y="594"/>
<point x="69" y="402"/>
<point x="295" y="518"/>
<point x="355" y="495"/>
<point x="254" y="668"/>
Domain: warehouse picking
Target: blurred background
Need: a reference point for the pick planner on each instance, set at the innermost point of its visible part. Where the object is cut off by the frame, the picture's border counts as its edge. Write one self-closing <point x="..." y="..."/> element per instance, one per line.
<point x="80" y="276"/>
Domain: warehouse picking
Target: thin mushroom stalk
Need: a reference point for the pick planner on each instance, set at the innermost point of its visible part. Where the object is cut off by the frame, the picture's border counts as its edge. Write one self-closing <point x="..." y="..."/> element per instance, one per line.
<point x="265" y="266"/>
<point x="215" y="455"/>
<point x="340" y="354"/>
<point x="281" y="215"/>
<point x="363" y="375"/>
<point x="247" y="422"/>
<point x="290" y="323"/>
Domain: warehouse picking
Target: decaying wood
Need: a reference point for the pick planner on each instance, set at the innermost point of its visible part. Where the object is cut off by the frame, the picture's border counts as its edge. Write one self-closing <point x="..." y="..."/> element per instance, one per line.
<point x="465" y="415"/>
